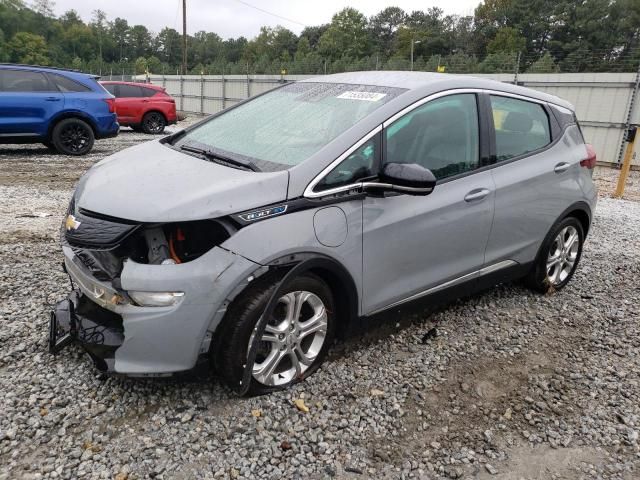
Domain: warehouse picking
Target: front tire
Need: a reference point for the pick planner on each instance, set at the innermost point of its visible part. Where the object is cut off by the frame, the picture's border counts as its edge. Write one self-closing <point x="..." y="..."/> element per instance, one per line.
<point x="294" y="343"/>
<point x="558" y="257"/>
<point x="153" y="123"/>
<point x="73" y="136"/>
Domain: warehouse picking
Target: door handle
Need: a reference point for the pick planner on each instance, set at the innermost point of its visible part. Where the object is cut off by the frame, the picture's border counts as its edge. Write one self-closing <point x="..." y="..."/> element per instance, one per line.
<point x="561" y="167"/>
<point x="477" y="194"/>
<point x="52" y="99"/>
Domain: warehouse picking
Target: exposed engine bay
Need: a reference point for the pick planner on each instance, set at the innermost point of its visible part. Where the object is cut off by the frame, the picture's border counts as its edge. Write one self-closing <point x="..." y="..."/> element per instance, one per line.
<point x="104" y="243"/>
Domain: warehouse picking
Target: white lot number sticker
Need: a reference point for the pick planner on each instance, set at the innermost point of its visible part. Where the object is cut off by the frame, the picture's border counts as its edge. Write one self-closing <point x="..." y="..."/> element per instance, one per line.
<point x="366" y="96"/>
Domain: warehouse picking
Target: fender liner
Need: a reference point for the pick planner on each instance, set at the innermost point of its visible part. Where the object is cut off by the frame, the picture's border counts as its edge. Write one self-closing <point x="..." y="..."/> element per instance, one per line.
<point x="302" y="263"/>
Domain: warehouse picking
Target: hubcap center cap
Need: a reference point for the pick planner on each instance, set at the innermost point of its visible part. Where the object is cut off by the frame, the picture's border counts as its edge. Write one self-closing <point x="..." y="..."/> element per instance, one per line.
<point x="290" y="341"/>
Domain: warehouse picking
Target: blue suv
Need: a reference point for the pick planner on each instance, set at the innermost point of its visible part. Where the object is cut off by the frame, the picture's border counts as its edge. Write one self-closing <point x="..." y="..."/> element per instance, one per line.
<point x="65" y="110"/>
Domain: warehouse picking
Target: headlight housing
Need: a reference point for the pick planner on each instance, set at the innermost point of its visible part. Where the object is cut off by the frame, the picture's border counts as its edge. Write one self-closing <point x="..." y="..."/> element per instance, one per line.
<point x="156" y="299"/>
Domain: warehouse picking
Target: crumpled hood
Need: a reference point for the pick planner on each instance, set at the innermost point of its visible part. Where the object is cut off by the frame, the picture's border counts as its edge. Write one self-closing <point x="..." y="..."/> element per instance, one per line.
<point x="154" y="183"/>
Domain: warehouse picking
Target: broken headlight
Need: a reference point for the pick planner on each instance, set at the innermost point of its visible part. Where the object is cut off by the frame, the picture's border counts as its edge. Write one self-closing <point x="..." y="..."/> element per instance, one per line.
<point x="156" y="299"/>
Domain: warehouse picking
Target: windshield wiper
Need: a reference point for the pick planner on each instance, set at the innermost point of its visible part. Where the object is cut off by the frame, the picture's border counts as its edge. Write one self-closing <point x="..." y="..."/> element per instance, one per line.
<point x="216" y="157"/>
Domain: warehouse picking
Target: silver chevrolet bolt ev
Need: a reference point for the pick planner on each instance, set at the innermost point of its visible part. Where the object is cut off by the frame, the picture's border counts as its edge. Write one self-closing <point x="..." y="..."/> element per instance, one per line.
<point x="254" y="236"/>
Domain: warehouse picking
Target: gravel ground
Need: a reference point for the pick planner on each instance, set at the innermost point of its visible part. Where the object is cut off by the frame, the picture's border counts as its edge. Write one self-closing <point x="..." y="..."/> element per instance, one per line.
<point x="509" y="385"/>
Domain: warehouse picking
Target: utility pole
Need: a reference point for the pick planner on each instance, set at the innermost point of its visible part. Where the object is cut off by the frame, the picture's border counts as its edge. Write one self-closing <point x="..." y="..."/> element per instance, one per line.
<point x="184" y="37"/>
<point x="412" y="43"/>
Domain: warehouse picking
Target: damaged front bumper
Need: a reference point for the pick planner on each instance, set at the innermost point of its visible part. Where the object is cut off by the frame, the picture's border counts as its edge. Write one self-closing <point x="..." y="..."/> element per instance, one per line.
<point x="125" y="338"/>
<point x="99" y="331"/>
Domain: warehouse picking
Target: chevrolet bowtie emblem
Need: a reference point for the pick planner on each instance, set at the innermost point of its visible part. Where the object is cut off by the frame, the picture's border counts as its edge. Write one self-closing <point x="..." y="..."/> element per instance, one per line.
<point x="71" y="223"/>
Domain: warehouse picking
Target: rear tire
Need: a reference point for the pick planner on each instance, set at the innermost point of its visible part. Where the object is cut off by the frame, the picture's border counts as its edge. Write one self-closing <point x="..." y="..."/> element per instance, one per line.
<point x="73" y="136"/>
<point x="153" y="123"/>
<point x="558" y="257"/>
<point x="293" y="347"/>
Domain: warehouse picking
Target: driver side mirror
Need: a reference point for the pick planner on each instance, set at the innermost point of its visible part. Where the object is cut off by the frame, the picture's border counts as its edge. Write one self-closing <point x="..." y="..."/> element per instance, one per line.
<point x="409" y="178"/>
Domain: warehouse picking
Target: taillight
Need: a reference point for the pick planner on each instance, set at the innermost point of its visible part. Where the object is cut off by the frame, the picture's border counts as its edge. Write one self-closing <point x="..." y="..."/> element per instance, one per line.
<point x="590" y="160"/>
<point x="111" y="102"/>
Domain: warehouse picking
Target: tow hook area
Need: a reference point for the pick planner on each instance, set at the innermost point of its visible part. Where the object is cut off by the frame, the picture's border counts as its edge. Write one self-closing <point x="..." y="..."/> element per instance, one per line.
<point x="76" y="319"/>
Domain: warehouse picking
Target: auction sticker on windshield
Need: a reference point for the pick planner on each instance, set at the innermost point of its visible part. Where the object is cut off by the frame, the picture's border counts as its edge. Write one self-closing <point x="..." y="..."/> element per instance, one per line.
<point x="366" y="96"/>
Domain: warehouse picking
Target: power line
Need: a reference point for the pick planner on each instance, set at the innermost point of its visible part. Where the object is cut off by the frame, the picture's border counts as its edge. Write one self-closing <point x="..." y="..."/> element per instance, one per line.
<point x="270" y="13"/>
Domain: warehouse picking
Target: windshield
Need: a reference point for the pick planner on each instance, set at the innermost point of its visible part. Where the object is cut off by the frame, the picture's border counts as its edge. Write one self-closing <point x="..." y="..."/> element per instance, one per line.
<point x="284" y="127"/>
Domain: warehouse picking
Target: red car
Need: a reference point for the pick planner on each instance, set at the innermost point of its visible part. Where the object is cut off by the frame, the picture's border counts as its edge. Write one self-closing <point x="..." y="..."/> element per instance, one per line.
<point x="142" y="106"/>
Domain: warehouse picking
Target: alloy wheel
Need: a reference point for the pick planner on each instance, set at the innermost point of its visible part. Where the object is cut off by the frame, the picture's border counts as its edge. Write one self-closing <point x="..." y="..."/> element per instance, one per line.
<point x="292" y="339"/>
<point x="563" y="254"/>
<point x="154" y="123"/>
<point x="75" y="137"/>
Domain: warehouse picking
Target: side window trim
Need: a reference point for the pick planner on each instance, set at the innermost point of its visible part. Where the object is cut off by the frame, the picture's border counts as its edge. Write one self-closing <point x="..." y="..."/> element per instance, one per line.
<point x="487" y="131"/>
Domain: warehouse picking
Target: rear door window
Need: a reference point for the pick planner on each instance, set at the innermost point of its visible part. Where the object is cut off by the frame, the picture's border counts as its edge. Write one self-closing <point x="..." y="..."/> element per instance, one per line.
<point x="521" y="127"/>
<point x="129" y="91"/>
<point x="23" y="81"/>
<point x="67" y="85"/>
<point x="110" y="87"/>
<point x="148" y="92"/>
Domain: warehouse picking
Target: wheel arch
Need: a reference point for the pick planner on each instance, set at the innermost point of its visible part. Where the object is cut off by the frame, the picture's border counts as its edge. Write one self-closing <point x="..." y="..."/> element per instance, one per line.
<point x="581" y="211"/>
<point x="333" y="273"/>
<point x="153" y="110"/>
<point x="71" y="114"/>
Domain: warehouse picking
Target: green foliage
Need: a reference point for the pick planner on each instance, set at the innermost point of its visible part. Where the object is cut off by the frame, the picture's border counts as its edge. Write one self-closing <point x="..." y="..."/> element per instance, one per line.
<point x="507" y="40"/>
<point x="550" y="35"/>
<point x="347" y="36"/>
<point x="26" y="47"/>
<point x="544" y="64"/>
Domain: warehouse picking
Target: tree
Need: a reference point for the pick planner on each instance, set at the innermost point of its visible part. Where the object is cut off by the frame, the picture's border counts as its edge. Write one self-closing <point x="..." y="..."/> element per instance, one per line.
<point x="169" y="46"/>
<point x="44" y="7"/>
<point x="313" y="34"/>
<point x="99" y="19"/>
<point x="119" y="30"/>
<point x="78" y="39"/>
<point x="69" y="18"/>
<point x="384" y="26"/>
<point x="507" y="39"/>
<point x="4" y="50"/>
<point x="347" y="36"/>
<point x="271" y="43"/>
<point x="28" y="48"/>
<point x="140" y="41"/>
<point x="544" y="64"/>
<point x="154" y="64"/>
<point x="205" y="47"/>
<point x="304" y="48"/>
<point x="141" y="65"/>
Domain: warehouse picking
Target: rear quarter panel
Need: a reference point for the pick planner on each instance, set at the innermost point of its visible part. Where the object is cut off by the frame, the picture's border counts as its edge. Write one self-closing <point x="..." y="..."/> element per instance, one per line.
<point x="531" y="196"/>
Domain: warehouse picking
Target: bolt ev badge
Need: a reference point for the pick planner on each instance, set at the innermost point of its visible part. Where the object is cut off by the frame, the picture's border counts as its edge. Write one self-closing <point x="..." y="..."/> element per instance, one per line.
<point x="267" y="212"/>
<point x="71" y="223"/>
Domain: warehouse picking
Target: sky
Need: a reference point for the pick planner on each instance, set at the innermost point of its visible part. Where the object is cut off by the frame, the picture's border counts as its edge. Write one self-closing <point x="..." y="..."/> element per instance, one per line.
<point x="234" y="18"/>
